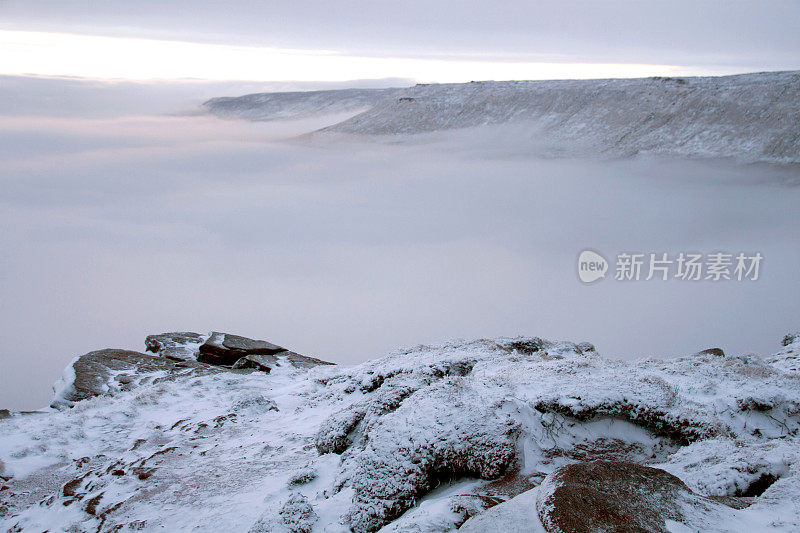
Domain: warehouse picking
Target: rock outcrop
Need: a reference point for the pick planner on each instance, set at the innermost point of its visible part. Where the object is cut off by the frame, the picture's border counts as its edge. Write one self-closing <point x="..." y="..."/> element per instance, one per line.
<point x="106" y="372"/>
<point x="501" y="434"/>
<point x="227" y="350"/>
<point x="178" y="354"/>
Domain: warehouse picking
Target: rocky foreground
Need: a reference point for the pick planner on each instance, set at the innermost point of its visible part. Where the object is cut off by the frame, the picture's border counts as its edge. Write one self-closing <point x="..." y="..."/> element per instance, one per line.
<point x="217" y="431"/>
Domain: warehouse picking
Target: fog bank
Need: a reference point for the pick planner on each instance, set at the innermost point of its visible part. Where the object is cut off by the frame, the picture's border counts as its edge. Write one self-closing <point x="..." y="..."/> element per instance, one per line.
<point x="117" y="227"/>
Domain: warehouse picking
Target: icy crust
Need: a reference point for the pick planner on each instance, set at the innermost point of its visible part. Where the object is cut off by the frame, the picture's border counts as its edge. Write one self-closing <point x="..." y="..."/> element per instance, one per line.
<point x="421" y="440"/>
<point x="752" y="117"/>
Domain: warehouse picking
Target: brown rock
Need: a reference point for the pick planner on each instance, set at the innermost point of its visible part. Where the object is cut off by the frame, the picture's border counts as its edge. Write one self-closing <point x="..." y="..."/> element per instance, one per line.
<point x="226" y="349"/>
<point x="712" y="351"/>
<point x="619" y="497"/>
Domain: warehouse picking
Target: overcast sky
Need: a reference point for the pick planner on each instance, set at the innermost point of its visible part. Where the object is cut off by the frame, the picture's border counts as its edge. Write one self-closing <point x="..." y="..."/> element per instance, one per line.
<point x="483" y="39"/>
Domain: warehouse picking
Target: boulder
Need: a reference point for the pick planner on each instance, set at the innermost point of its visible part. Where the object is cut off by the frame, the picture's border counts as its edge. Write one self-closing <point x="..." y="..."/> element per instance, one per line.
<point x="176" y="345"/>
<point x="264" y="363"/>
<point x="226" y="349"/>
<point x="240" y="352"/>
<point x="619" y="496"/>
<point x="717" y="352"/>
<point x="5" y="413"/>
<point x="110" y="371"/>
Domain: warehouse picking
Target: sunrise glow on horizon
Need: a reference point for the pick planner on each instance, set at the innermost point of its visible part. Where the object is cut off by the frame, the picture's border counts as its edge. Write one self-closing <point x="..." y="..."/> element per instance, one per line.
<point x="103" y="57"/>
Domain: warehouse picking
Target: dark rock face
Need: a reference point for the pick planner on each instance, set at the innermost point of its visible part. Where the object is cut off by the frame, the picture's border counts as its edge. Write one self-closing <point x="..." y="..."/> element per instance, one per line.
<point x="226" y="349"/>
<point x="109" y="371"/>
<point x="617" y="496"/>
<point x="5" y="413"/>
<point x="264" y="363"/>
<point x="177" y="345"/>
<point x="303" y="361"/>
<point x="240" y="352"/>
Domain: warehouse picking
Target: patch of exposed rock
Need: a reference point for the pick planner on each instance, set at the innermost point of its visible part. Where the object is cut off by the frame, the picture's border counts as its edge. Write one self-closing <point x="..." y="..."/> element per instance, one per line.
<point x="226" y="349"/>
<point x="621" y="497"/>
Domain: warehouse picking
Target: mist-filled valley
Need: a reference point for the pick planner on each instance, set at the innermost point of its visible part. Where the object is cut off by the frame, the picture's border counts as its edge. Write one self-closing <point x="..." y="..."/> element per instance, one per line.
<point x="120" y="225"/>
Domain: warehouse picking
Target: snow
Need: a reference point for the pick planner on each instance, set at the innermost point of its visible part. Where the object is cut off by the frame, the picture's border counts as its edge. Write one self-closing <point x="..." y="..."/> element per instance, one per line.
<point x="517" y="515"/>
<point x="65" y="386"/>
<point x="419" y="440"/>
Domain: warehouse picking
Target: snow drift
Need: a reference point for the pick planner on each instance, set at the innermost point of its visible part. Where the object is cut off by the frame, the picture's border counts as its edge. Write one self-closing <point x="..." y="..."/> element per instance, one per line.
<point x="425" y="439"/>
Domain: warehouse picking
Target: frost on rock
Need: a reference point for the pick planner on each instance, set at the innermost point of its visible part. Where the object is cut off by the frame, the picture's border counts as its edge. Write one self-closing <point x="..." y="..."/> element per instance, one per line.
<point x="446" y="430"/>
<point x="106" y="372"/>
<point x="298" y="515"/>
<point x="422" y="440"/>
<point x="175" y="345"/>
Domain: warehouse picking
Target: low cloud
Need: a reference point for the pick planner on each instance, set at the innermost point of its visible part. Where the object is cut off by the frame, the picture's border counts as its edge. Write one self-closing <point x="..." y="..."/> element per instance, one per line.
<point x="114" y="228"/>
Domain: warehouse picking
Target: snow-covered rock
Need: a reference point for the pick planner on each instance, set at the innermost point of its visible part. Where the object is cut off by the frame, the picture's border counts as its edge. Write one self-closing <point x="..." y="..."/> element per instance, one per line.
<point x="750" y="117"/>
<point x="228" y="350"/>
<point x="424" y="439"/>
<point x="109" y="371"/>
<point x="175" y="345"/>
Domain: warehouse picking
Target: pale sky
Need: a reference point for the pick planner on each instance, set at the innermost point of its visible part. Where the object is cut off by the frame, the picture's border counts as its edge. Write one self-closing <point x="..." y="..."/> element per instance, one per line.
<point x="443" y="41"/>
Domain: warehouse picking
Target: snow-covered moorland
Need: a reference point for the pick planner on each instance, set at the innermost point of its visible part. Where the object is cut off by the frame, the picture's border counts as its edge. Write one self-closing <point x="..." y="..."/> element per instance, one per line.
<point x="485" y="435"/>
<point x="748" y="117"/>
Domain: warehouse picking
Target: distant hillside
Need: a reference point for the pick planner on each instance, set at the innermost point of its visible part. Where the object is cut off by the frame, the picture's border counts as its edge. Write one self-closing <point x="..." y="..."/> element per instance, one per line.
<point x="273" y="106"/>
<point x="752" y="117"/>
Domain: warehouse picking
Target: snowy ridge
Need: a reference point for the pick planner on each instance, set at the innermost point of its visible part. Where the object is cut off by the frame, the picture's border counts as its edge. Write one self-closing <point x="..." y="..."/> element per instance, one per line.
<point x="751" y="117"/>
<point x="290" y="105"/>
<point x="419" y="440"/>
